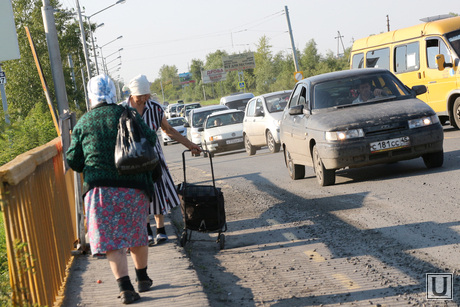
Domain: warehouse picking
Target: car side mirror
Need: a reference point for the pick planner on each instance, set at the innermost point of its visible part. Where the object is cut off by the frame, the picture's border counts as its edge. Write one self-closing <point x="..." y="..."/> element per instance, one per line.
<point x="296" y="110"/>
<point x="187" y="125"/>
<point x="419" y="89"/>
<point x="201" y="129"/>
<point x="441" y="62"/>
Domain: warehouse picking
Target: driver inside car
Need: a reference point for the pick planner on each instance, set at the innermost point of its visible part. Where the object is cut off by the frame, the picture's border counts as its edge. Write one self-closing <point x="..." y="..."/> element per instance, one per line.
<point x="365" y="91"/>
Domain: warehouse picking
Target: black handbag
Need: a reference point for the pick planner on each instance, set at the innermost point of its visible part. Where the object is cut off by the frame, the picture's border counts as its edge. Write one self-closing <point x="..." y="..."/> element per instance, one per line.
<point x="133" y="152"/>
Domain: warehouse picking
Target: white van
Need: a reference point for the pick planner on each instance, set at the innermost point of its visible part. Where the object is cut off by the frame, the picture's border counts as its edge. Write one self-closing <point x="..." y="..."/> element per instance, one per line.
<point x="236" y="101"/>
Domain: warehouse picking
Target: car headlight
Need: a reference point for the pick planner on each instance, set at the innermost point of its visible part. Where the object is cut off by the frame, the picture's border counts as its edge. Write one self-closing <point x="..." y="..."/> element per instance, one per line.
<point x="215" y="137"/>
<point x="344" y="135"/>
<point x="423" y="122"/>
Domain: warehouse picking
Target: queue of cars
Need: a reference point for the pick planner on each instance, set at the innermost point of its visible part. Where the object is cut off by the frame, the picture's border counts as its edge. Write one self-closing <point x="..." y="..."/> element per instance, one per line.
<point x="337" y="120"/>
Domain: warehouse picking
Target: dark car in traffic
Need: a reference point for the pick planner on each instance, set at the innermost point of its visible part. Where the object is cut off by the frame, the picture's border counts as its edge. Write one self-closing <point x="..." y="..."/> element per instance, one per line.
<point x="356" y="118"/>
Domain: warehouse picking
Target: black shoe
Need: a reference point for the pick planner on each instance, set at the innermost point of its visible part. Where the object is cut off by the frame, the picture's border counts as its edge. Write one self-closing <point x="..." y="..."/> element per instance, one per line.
<point x="128" y="297"/>
<point x="144" y="285"/>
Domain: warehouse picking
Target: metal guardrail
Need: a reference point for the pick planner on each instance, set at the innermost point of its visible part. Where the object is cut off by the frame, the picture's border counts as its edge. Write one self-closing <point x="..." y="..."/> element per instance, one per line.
<point x="38" y="203"/>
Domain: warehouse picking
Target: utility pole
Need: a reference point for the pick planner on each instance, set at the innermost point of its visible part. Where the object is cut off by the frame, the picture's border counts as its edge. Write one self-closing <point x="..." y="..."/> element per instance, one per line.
<point x="388" y="23"/>
<point x="55" y="57"/>
<point x="72" y="74"/>
<point x="294" y="52"/>
<point x="3" y="93"/>
<point x="339" y="38"/>
<point x="83" y="40"/>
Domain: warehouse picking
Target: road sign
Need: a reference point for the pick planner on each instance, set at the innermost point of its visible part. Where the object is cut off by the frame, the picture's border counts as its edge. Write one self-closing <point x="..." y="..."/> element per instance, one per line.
<point x="9" y="48"/>
<point x="2" y="77"/>
<point x="213" y="75"/>
<point x="298" y="75"/>
<point x="240" y="61"/>
<point x="242" y="84"/>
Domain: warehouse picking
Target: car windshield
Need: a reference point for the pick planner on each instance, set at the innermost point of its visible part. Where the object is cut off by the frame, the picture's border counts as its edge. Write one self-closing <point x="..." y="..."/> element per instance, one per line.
<point x="277" y="102"/>
<point x="358" y="89"/>
<point x="176" y="122"/>
<point x="224" y="119"/>
<point x="198" y="118"/>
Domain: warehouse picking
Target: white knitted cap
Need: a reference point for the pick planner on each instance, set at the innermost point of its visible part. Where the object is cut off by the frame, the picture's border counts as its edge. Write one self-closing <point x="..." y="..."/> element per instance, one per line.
<point x="139" y="85"/>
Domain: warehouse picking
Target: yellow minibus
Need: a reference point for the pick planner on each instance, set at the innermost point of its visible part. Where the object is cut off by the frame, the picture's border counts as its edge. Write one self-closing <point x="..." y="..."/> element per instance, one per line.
<point x="425" y="54"/>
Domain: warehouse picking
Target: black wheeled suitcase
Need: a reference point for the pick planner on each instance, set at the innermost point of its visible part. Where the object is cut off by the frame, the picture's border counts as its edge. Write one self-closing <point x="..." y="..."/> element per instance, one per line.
<point x="202" y="207"/>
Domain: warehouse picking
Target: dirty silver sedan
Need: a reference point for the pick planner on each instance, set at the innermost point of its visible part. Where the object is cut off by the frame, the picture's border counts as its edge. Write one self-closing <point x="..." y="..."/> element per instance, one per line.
<point x="357" y="118"/>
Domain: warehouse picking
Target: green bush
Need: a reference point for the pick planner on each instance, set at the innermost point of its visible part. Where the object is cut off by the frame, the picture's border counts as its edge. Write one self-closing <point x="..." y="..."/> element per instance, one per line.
<point x="5" y="289"/>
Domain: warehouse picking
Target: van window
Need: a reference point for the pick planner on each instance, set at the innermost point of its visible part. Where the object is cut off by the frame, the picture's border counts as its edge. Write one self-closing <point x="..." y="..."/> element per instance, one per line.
<point x="433" y="48"/>
<point x="378" y="58"/>
<point x="454" y="40"/>
<point x="358" y="61"/>
<point x="407" y="58"/>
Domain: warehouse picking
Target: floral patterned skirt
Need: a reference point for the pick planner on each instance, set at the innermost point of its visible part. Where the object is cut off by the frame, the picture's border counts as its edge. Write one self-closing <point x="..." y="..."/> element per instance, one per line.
<point x="116" y="218"/>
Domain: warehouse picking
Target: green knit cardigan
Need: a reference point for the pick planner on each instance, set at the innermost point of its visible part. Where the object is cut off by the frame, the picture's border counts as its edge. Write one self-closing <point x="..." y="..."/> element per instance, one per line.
<point x="92" y="148"/>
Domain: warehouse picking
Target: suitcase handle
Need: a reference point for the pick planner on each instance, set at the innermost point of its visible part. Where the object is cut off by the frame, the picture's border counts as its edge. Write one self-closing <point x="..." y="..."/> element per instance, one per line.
<point x="210" y="161"/>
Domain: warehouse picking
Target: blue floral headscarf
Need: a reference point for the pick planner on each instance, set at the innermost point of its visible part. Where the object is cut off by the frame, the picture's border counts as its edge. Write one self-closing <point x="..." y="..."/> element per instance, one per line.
<point x="101" y="89"/>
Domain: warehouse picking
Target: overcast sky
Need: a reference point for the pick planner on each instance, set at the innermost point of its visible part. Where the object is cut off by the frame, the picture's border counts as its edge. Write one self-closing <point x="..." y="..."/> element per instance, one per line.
<point x="173" y="32"/>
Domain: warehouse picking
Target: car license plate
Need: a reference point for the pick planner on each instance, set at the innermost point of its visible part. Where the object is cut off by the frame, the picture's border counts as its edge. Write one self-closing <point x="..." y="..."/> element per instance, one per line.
<point x="390" y="144"/>
<point x="239" y="140"/>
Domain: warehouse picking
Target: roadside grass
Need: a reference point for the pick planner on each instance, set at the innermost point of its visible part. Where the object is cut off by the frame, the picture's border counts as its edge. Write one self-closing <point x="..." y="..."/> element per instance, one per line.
<point x="209" y="102"/>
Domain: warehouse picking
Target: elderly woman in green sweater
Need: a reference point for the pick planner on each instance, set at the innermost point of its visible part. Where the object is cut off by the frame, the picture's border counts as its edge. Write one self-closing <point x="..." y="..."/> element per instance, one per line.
<point x="116" y="205"/>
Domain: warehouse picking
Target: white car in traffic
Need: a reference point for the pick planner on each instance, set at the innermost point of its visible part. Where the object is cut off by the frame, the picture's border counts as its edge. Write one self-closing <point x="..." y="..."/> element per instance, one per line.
<point x="222" y="131"/>
<point x="178" y="124"/>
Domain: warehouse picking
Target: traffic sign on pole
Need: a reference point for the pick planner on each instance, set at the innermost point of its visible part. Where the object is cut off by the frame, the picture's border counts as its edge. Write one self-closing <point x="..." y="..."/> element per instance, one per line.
<point x="298" y="75"/>
<point x="2" y="77"/>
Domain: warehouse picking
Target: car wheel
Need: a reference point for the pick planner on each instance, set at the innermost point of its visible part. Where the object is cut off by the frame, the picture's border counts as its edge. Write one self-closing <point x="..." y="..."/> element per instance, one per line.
<point x="272" y="145"/>
<point x="251" y="150"/>
<point x="434" y="159"/>
<point x="324" y="176"/>
<point x="296" y="171"/>
<point x="456" y="114"/>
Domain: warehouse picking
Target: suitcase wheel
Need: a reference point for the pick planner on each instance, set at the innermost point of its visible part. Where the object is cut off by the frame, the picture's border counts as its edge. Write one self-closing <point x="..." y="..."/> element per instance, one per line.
<point x="221" y="240"/>
<point x="183" y="239"/>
